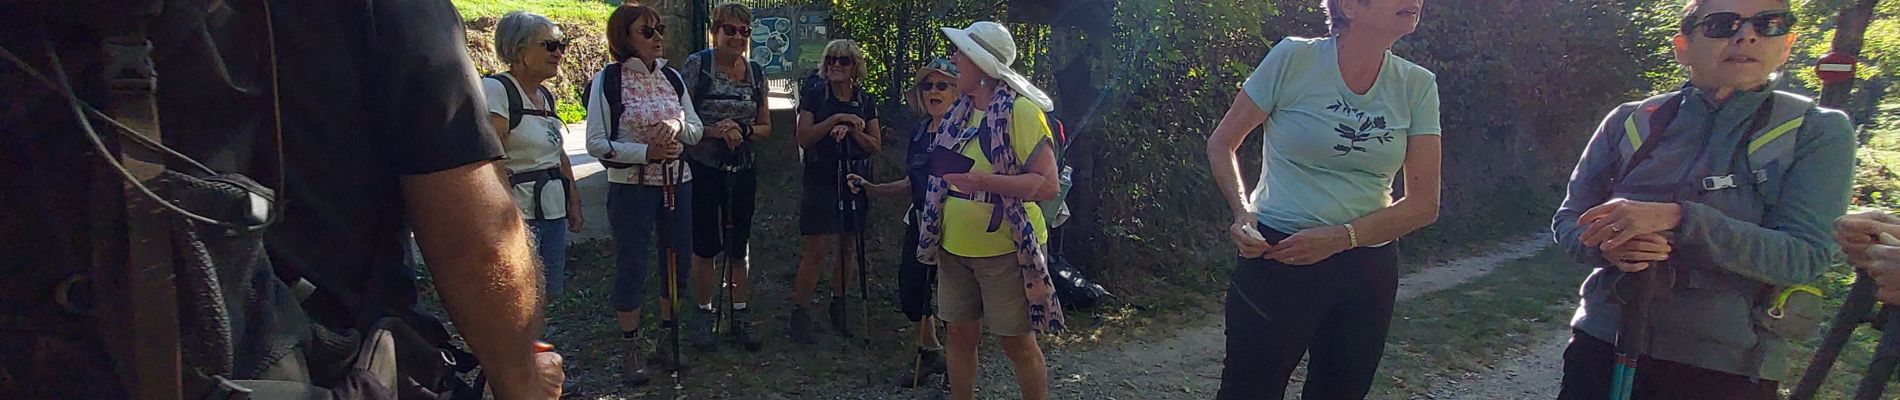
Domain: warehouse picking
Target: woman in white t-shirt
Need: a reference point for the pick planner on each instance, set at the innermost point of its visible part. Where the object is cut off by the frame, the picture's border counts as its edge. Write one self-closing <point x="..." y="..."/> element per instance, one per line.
<point x="539" y="174"/>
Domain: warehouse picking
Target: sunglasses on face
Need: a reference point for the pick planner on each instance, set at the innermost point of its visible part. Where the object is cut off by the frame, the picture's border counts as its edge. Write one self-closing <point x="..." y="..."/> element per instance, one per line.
<point x="652" y="30"/>
<point x="842" y="61"/>
<point x="735" y="30"/>
<point x="554" y="45"/>
<point x="1724" y="25"/>
<point x="935" y="86"/>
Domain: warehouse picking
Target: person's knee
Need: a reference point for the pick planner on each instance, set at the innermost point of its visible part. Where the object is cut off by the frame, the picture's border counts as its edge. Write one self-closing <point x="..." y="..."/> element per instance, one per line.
<point x="1021" y="348"/>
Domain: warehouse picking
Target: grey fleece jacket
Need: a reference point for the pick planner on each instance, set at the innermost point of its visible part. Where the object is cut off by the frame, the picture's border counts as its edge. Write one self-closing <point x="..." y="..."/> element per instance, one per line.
<point x="1731" y="245"/>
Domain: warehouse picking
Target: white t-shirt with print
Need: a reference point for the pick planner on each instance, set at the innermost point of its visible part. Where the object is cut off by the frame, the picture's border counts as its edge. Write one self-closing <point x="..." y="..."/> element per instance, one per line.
<point x="533" y="145"/>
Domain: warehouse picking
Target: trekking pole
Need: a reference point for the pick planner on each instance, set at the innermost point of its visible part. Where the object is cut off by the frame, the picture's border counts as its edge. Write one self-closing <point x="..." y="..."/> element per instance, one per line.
<point x="862" y="202"/>
<point x="844" y="169"/>
<point x="724" y="297"/>
<point x="672" y="323"/>
<point x="1635" y="290"/>
<point x="1854" y="310"/>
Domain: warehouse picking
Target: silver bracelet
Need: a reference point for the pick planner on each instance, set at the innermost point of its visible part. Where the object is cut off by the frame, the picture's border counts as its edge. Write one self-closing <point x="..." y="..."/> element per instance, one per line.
<point x="1352" y="234"/>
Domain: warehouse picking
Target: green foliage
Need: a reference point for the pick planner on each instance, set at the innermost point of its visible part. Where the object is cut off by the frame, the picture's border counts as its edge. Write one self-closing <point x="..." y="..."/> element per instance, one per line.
<point x="577" y="11"/>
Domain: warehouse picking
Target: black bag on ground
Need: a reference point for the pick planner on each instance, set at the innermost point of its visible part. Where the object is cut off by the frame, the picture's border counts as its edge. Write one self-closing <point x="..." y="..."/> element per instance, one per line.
<point x="1075" y="290"/>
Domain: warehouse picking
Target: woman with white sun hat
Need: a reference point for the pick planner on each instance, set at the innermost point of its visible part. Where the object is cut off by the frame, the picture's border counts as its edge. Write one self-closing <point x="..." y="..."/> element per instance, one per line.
<point x="992" y="160"/>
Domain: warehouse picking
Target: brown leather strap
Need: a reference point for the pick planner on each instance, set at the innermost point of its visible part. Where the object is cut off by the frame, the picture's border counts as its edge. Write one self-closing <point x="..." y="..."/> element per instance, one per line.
<point x="150" y="295"/>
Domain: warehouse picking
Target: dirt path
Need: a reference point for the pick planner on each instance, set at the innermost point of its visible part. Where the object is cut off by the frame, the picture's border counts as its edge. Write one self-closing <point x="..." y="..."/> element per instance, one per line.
<point x="1187" y="364"/>
<point x="1533" y="374"/>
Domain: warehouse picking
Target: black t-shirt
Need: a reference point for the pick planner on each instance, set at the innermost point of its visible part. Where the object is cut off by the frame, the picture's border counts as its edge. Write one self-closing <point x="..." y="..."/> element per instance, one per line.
<point x="818" y="99"/>
<point x="370" y="92"/>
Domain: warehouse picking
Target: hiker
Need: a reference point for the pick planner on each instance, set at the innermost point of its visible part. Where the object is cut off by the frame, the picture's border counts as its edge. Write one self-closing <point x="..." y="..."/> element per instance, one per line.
<point x="729" y="94"/>
<point x="934" y="92"/>
<point x="639" y="120"/>
<point x="329" y="217"/>
<point x="1859" y="238"/>
<point x="1725" y="188"/>
<point x="1318" y="267"/>
<point x="833" y="113"/>
<point x="991" y="161"/>
<point x="539" y="174"/>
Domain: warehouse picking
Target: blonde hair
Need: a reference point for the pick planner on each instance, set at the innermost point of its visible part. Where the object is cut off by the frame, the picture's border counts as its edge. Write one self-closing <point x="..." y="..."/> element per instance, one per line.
<point x="847" y="47"/>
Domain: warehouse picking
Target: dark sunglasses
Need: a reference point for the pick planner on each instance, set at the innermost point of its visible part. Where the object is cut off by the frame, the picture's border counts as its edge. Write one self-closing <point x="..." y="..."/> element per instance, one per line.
<point x="938" y="87"/>
<point x="842" y="61"/>
<point x="554" y="45"/>
<point x="650" y="31"/>
<point x="1724" y="25"/>
<point x="735" y="30"/>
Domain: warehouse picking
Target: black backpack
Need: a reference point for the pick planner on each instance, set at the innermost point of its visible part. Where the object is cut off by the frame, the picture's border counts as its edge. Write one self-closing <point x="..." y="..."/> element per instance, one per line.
<point x="145" y="273"/>
<point x="610" y="87"/>
<point x="517" y="109"/>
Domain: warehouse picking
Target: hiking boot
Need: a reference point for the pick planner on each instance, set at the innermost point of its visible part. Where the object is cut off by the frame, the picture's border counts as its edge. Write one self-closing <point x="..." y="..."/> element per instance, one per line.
<point x="838" y="318"/>
<point x="800" y="326"/>
<point x="699" y="330"/>
<point x="739" y="331"/>
<point x="663" y="356"/>
<point x="927" y="362"/>
<point x="637" y="373"/>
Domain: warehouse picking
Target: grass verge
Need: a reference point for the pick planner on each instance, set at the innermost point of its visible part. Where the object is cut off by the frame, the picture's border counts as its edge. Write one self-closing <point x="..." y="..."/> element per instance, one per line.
<point x="1445" y="335"/>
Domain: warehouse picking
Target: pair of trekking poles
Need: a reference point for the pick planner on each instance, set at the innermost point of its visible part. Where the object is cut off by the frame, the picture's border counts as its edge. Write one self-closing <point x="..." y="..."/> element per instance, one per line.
<point x="724" y="297"/>
<point x="849" y="219"/>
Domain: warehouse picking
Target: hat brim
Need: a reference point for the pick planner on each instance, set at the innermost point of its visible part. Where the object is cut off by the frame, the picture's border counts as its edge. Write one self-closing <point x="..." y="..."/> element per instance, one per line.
<point x="995" y="69"/>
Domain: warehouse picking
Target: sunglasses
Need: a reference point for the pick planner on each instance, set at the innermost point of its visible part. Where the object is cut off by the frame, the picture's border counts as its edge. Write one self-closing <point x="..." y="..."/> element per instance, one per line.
<point x="654" y="30"/>
<point x="842" y="61"/>
<point x="1724" y="25"/>
<point x="735" y="30"/>
<point x="554" y="45"/>
<point x="934" y="87"/>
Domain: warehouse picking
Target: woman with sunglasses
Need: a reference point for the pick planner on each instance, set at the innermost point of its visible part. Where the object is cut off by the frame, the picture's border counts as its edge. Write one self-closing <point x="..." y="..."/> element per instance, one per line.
<point x="639" y="120"/>
<point x="936" y="90"/>
<point x="837" y="123"/>
<point x="521" y="110"/>
<point x="729" y="93"/>
<point x="1318" y="269"/>
<point x="1723" y="192"/>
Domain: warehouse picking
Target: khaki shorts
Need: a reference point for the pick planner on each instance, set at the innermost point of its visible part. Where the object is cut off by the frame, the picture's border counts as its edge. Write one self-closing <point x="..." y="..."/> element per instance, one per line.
<point x="989" y="289"/>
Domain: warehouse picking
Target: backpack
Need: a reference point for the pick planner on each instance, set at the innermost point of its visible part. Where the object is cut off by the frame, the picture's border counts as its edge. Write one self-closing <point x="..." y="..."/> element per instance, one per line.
<point x="517" y="108"/>
<point x="610" y="87"/>
<point x="161" y="287"/>
<point x="703" y="82"/>
<point x="1792" y="312"/>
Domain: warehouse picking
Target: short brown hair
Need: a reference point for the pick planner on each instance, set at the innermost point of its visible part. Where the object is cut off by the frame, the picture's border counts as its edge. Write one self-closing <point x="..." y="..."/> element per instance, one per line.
<point x="619" y="45"/>
<point x="731" y="11"/>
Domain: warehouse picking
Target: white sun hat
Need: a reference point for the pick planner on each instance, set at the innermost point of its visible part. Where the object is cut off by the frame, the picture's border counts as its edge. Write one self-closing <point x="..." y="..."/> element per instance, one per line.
<point x="990" y="47"/>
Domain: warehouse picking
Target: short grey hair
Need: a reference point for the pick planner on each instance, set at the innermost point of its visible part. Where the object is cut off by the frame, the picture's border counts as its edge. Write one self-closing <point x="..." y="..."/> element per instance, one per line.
<point x="515" y="30"/>
<point x="1336" y="19"/>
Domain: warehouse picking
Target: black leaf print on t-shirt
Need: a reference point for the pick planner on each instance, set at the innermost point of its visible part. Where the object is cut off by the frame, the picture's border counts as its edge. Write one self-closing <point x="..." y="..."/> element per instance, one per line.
<point x="1369" y="129"/>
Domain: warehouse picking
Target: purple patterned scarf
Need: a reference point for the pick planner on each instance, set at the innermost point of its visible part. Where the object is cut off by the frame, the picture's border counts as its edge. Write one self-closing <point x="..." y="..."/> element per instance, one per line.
<point x="1045" y="312"/>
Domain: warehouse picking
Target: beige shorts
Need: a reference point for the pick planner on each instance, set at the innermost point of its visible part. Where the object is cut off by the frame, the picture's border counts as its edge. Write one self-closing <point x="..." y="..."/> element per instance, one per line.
<point x="989" y="289"/>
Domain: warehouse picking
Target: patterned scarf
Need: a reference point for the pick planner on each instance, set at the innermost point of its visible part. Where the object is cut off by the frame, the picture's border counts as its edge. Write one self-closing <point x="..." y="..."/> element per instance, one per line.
<point x="1045" y="312"/>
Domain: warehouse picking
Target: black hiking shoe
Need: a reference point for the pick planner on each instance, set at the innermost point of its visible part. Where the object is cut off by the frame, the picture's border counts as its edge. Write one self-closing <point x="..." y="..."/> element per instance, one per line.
<point x="663" y="356"/>
<point x="739" y="331"/>
<point x="699" y="330"/>
<point x="838" y="318"/>
<point x="927" y="362"/>
<point x="800" y="326"/>
<point x="636" y="371"/>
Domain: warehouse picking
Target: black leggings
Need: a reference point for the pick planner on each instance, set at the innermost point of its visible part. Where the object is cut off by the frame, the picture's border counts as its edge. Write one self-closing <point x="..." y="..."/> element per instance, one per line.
<point x="915" y="281"/>
<point x="1337" y="312"/>
<point x="1589" y="362"/>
